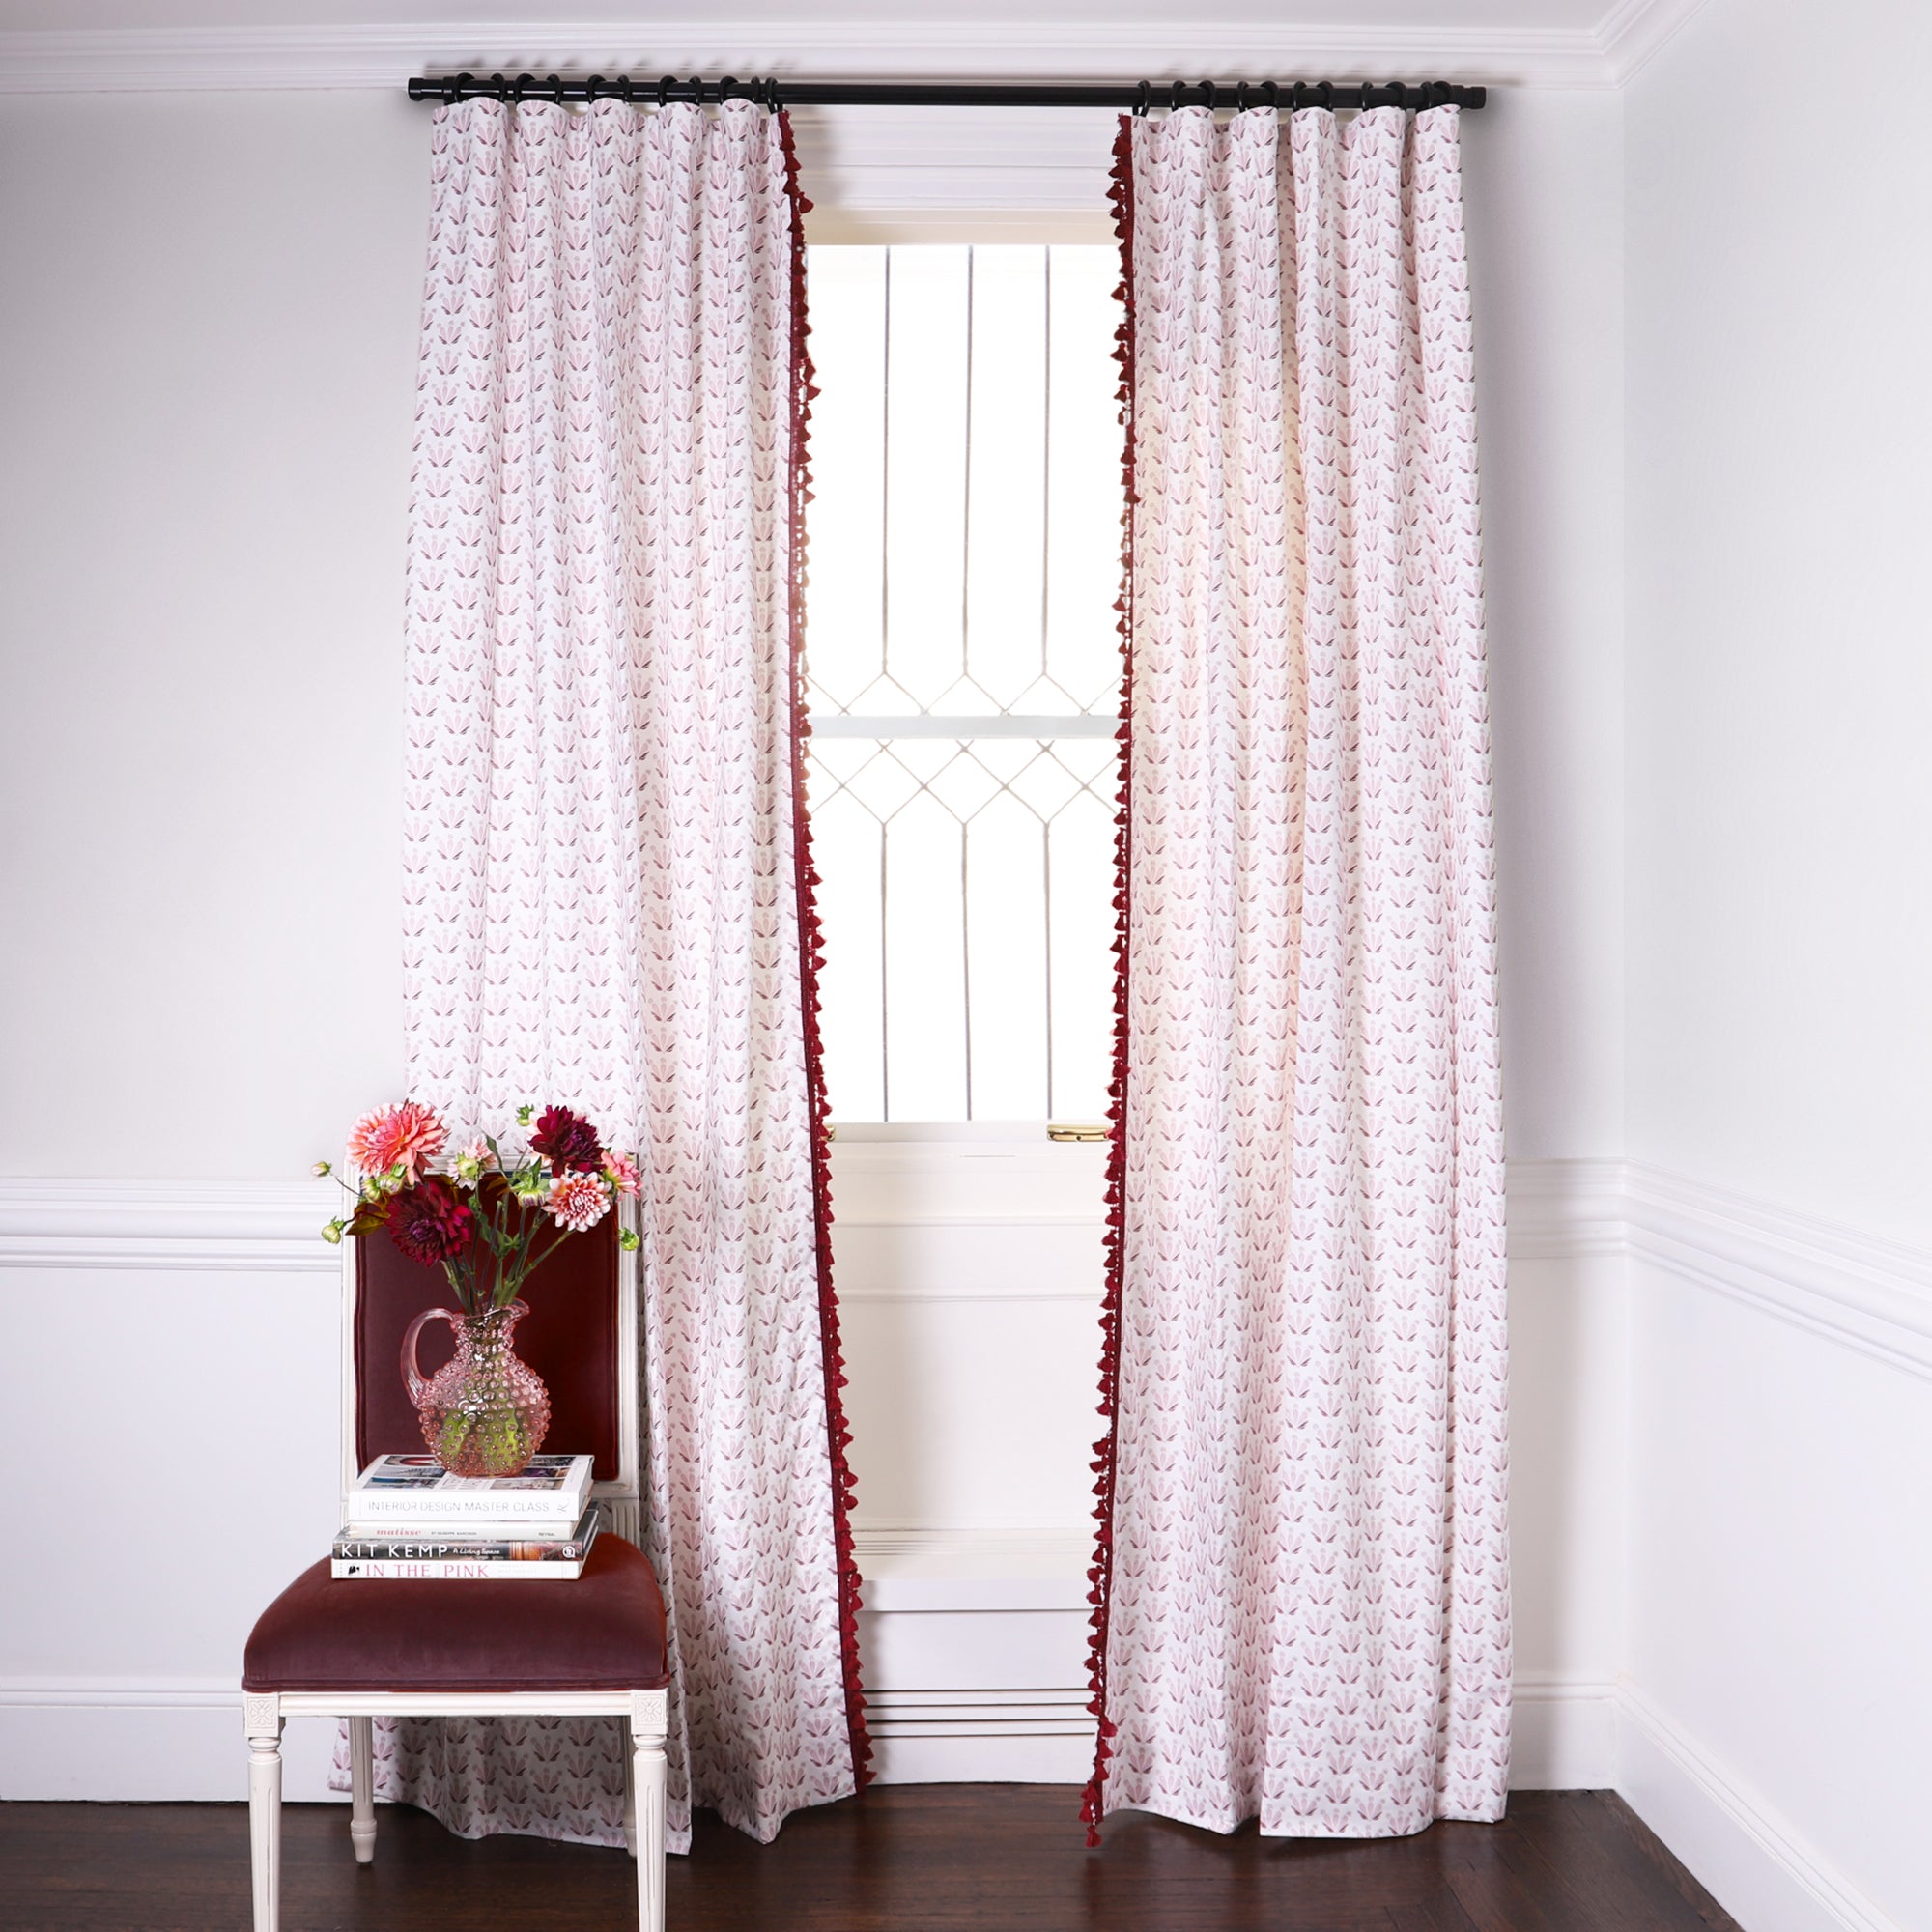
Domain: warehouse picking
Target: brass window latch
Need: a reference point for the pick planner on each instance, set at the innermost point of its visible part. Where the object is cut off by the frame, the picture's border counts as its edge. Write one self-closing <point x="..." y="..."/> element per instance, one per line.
<point x="1076" y="1131"/>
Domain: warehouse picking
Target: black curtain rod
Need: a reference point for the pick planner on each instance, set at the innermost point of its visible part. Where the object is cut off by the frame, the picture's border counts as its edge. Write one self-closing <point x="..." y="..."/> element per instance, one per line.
<point x="772" y="91"/>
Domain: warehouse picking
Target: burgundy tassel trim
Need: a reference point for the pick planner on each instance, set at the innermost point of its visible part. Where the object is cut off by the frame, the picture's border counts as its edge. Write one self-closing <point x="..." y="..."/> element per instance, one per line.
<point x="1100" y="1578"/>
<point x="812" y="957"/>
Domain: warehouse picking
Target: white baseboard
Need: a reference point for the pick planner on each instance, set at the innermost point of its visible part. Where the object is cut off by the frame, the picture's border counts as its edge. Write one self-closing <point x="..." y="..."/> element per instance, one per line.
<point x="1751" y="1860"/>
<point x="1563" y="1734"/>
<point x="148" y="1741"/>
<point x="145" y="1742"/>
<point x="981" y="1737"/>
<point x="971" y="1760"/>
<point x="138" y="1742"/>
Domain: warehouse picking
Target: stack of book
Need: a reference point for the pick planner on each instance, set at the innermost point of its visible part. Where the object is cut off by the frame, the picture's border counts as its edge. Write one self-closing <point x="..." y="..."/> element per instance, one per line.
<point x="410" y="1518"/>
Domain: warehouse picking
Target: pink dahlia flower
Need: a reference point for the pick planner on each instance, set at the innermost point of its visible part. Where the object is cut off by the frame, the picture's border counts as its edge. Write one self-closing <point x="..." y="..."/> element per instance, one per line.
<point x="578" y="1200"/>
<point x="621" y="1170"/>
<point x="408" y="1135"/>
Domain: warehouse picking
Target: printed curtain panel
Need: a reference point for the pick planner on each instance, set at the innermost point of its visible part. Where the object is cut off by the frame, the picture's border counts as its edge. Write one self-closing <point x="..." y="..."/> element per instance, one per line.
<point x="607" y="896"/>
<point x="1303" y="1573"/>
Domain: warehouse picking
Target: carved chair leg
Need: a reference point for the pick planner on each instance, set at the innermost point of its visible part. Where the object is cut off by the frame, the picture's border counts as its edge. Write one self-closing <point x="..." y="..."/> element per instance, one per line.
<point x="630" y="1792"/>
<point x="262" y="1719"/>
<point x="648" y="1723"/>
<point x="362" y="1789"/>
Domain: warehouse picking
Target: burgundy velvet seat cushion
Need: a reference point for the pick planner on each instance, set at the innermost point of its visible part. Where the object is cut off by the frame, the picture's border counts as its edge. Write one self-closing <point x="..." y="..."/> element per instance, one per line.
<point x="604" y="1632"/>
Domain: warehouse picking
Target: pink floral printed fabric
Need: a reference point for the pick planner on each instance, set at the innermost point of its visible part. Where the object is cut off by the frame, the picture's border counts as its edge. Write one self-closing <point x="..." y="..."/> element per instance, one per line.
<point x="602" y="878"/>
<point x="1303" y="1563"/>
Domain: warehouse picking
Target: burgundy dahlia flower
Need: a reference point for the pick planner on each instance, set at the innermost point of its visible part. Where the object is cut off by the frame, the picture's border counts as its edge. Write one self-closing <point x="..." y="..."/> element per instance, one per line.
<point x="429" y="1223"/>
<point x="567" y="1141"/>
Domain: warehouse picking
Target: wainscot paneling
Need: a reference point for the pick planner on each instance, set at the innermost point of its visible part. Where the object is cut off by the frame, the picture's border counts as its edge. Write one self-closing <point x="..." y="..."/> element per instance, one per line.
<point x="969" y="1275"/>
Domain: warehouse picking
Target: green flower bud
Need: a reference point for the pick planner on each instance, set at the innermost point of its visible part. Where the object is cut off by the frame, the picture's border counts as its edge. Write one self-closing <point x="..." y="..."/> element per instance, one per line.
<point x="321" y="1168"/>
<point x="628" y="1241"/>
<point x="332" y="1234"/>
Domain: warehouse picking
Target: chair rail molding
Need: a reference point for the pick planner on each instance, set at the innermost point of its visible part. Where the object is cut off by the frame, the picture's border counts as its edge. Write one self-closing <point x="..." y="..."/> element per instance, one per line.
<point x="384" y="55"/>
<point x="1834" y="1280"/>
<point x="1565" y="1210"/>
<point x="254" y="1225"/>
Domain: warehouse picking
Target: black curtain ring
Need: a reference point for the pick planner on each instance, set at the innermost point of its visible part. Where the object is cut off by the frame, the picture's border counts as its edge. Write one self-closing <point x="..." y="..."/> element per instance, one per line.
<point x="626" y="93"/>
<point x="665" y="81"/>
<point x="1241" y="97"/>
<point x="1274" y="96"/>
<point x="506" y="91"/>
<point x="1174" y="96"/>
<point x="1325" y="93"/>
<point x="453" y="90"/>
<point x="592" y="87"/>
<point x="696" y="91"/>
<point x="1207" y="95"/>
<point x="725" y="88"/>
<point x="1142" y="98"/>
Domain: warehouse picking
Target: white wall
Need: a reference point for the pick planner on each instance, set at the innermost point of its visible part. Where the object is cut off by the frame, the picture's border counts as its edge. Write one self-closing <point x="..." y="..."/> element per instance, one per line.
<point x="1780" y="1035"/>
<point x="208" y="364"/>
<point x="208" y="387"/>
<point x="1780" y="397"/>
<point x="206" y="381"/>
<point x="1543" y="193"/>
<point x="1544" y="207"/>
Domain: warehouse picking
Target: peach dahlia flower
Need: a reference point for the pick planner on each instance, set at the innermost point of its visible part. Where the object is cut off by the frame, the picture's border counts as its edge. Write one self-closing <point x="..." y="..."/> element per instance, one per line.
<point x="408" y="1135"/>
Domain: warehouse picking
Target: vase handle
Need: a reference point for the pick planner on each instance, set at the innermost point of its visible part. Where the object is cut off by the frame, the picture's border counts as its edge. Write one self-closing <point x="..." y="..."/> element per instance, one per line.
<point x="412" y="1376"/>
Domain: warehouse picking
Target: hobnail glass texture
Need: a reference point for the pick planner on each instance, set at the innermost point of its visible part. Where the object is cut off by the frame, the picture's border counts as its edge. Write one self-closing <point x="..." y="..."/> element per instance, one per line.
<point x="486" y="1410"/>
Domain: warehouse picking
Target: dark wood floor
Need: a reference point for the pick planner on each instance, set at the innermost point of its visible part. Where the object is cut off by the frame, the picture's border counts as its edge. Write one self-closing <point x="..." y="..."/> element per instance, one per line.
<point x="934" y="1858"/>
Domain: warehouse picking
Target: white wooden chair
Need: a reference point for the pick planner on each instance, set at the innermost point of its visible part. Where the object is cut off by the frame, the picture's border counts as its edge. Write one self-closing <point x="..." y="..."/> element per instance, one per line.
<point x="366" y="1649"/>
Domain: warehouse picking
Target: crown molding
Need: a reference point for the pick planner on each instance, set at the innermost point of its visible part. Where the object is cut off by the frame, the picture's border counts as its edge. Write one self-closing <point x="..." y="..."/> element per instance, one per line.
<point x="382" y="55"/>
<point x="1634" y="30"/>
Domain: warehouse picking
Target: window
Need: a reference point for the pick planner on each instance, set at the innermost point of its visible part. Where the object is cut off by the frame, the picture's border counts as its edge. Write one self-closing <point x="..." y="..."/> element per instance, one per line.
<point x="964" y="564"/>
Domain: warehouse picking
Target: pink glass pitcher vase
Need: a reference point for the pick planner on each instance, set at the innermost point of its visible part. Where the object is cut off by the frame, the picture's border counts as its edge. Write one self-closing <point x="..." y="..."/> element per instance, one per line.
<point x="485" y="1411"/>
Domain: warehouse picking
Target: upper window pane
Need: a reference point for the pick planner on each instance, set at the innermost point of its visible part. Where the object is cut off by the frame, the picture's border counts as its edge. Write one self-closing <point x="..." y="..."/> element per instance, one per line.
<point x="966" y="453"/>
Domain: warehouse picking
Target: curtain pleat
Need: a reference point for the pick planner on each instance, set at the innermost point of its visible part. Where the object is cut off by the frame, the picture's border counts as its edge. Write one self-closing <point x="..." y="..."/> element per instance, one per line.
<point x="606" y="890"/>
<point x="1303" y="1605"/>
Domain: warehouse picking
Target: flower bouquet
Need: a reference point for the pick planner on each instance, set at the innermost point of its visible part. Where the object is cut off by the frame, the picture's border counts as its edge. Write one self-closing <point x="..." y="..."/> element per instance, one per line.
<point x="489" y="1216"/>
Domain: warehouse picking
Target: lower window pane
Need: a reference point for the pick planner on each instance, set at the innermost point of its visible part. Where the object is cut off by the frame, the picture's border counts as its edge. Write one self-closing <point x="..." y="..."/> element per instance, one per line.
<point x="967" y="907"/>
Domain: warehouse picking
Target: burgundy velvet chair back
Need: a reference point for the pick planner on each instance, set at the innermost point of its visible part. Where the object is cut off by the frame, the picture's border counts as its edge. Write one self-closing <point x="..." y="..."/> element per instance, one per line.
<point x="569" y="1338"/>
